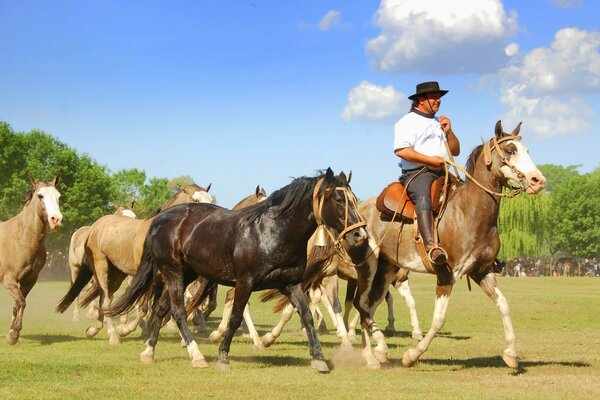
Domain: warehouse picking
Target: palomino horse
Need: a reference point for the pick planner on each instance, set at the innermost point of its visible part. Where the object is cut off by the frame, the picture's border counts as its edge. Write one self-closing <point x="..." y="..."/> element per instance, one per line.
<point x="23" y="249"/>
<point x="77" y="249"/>
<point x="469" y="234"/>
<point x="113" y="251"/>
<point x="259" y="247"/>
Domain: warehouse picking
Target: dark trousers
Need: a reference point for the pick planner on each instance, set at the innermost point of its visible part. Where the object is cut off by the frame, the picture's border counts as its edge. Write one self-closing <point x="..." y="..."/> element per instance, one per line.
<point x="419" y="187"/>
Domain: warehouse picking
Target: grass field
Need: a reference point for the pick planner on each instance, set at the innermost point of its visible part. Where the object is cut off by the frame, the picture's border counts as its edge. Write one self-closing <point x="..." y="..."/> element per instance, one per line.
<point x="557" y="321"/>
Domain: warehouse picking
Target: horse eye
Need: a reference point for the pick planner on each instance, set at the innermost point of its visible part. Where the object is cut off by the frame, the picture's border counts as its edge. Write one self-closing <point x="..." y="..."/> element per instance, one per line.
<point x="40" y="196"/>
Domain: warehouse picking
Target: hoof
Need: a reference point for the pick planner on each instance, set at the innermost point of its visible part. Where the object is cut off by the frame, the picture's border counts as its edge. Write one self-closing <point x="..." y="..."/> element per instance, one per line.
<point x="199" y="363"/>
<point x="511" y="361"/>
<point x="268" y="339"/>
<point x="146" y="359"/>
<point x="373" y="364"/>
<point x="12" y="339"/>
<point x="320" y="365"/>
<point x="76" y="318"/>
<point x="389" y="332"/>
<point x="409" y="359"/>
<point x="223" y="366"/>
<point x="381" y="356"/>
<point x="91" y="332"/>
<point x="417" y="336"/>
<point x="122" y="331"/>
<point x="258" y="346"/>
<point x="214" y="336"/>
<point x="113" y="341"/>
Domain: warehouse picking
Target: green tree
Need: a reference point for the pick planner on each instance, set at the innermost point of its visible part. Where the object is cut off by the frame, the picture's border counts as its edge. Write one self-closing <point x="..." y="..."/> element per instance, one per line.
<point x="574" y="217"/>
<point x="557" y="174"/>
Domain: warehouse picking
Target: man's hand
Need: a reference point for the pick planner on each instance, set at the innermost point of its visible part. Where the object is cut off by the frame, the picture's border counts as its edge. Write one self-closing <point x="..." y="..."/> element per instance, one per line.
<point x="436" y="162"/>
<point x="446" y="124"/>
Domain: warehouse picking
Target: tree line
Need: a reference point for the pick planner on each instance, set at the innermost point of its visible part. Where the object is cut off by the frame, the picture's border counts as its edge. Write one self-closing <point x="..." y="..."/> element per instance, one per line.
<point x="88" y="190"/>
<point x="562" y="220"/>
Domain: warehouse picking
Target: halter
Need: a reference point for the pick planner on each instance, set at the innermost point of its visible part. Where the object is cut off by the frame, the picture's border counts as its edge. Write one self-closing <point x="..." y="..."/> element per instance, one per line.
<point x="322" y="233"/>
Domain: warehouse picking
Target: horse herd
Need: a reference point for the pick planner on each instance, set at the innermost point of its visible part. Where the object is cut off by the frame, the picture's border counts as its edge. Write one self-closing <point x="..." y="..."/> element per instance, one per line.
<point x="290" y="242"/>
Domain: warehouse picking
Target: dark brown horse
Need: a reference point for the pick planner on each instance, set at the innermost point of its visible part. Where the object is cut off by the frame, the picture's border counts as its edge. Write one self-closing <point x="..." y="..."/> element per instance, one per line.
<point x="23" y="249"/>
<point x="260" y="247"/>
<point x="468" y="230"/>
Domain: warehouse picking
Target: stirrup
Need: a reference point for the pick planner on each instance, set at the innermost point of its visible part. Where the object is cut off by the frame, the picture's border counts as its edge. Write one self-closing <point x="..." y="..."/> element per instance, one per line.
<point x="441" y="258"/>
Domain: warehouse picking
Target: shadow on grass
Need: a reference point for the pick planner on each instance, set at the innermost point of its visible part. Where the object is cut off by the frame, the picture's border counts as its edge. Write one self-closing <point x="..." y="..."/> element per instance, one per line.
<point x="46" y="340"/>
<point x="497" y="362"/>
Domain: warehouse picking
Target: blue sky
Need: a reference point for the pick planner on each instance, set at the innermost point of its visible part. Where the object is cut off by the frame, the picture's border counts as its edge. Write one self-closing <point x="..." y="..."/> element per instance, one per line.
<point x="242" y="93"/>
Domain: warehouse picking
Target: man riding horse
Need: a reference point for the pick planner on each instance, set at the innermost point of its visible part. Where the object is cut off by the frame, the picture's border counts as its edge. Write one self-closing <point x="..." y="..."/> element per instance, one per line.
<point x="423" y="141"/>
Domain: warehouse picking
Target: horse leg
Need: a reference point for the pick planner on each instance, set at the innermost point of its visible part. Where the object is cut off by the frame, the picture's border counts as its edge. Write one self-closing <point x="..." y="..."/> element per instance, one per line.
<point x="212" y="303"/>
<point x="489" y="285"/>
<point x="442" y="298"/>
<point x="332" y="304"/>
<point x="175" y="288"/>
<point x="298" y="299"/>
<point x="390" y="329"/>
<point x="374" y="278"/>
<point x="348" y="306"/>
<point x="227" y="308"/>
<point x="286" y="314"/>
<point x="11" y="285"/>
<point x="160" y="309"/>
<point x="74" y="269"/>
<point x="404" y="291"/>
<point x="241" y="297"/>
<point x="314" y="295"/>
<point x="258" y="344"/>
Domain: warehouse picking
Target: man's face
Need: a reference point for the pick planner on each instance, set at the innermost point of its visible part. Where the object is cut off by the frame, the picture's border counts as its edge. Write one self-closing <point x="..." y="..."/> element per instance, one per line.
<point x="430" y="103"/>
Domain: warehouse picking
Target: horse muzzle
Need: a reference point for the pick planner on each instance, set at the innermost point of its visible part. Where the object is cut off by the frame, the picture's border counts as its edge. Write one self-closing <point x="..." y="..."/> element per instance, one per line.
<point x="356" y="237"/>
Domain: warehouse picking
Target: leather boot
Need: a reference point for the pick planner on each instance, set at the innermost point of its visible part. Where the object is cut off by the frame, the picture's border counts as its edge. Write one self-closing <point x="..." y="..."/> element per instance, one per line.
<point x="436" y="254"/>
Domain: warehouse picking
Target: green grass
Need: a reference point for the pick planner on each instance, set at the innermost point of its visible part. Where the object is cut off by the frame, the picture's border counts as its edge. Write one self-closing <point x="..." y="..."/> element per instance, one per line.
<point x="557" y="322"/>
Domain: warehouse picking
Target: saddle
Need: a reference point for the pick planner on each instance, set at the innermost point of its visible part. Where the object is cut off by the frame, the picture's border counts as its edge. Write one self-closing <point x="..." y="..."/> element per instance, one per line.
<point x="394" y="202"/>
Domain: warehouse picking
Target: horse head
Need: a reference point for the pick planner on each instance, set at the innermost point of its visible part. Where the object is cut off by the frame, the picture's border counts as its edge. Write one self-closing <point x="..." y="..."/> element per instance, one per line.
<point x="509" y="160"/>
<point x="126" y="211"/>
<point x="47" y="194"/>
<point x="335" y="206"/>
<point x="198" y="194"/>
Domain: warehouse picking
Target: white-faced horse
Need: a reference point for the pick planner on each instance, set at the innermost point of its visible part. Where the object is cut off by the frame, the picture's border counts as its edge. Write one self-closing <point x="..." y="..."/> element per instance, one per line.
<point x="469" y="234"/>
<point x="23" y="249"/>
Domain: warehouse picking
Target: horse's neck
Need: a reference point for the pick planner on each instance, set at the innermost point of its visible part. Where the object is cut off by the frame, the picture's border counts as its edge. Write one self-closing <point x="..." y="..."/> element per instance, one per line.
<point x="34" y="227"/>
<point x="179" y="198"/>
<point x="475" y="206"/>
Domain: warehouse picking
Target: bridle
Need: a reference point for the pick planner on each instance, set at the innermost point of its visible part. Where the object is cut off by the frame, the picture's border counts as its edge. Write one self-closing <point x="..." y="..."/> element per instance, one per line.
<point x="322" y="232"/>
<point x="488" y="147"/>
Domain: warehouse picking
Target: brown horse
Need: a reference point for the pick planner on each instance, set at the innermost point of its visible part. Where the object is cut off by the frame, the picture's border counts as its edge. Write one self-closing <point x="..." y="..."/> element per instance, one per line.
<point x="468" y="233"/>
<point x="77" y="248"/>
<point x="112" y="251"/>
<point x="23" y="249"/>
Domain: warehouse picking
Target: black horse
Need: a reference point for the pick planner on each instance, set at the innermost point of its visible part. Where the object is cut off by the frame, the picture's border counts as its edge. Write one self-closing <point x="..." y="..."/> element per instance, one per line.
<point x="260" y="247"/>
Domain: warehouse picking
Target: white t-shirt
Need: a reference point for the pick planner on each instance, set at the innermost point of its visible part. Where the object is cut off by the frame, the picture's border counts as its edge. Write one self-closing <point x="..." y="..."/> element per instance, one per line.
<point x="422" y="133"/>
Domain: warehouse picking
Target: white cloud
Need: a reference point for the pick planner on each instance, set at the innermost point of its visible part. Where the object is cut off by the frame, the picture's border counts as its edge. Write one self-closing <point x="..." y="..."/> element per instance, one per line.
<point x="512" y="49"/>
<point x="375" y="103"/>
<point x="546" y="86"/>
<point x="441" y="36"/>
<point x="330" y="19"/>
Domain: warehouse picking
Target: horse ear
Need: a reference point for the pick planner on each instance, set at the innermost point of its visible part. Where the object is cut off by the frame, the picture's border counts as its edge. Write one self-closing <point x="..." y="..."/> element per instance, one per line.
<point x="349" y="177"/>
<point x="499" y="131"/>
<point x="132" y="203"/>
<point x="56" y="180"/>
<point x="208" y="187"/>
<point x="257" y="191"/>
<point x="517" y="130"/>
<point x="329" y="175"/>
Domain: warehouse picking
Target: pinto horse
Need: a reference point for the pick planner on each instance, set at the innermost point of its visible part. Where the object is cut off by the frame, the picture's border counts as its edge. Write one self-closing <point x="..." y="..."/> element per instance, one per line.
<point x="469" y="234"/>
<point x="23" y="249"/>
<point x="259" y="247"/>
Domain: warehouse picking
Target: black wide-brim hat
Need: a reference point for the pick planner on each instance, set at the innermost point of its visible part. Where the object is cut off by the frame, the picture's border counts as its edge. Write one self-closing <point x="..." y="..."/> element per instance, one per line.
<point x="427" y="87"/>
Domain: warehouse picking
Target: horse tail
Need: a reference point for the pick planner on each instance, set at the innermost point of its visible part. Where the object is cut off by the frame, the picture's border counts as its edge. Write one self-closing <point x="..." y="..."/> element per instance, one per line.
<point x="138" y="288"/>
<point x="275" y="294"/>
<point x="85" y="275"/>
<point x="90" y="295"/>
<point x="205" y="290"/>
